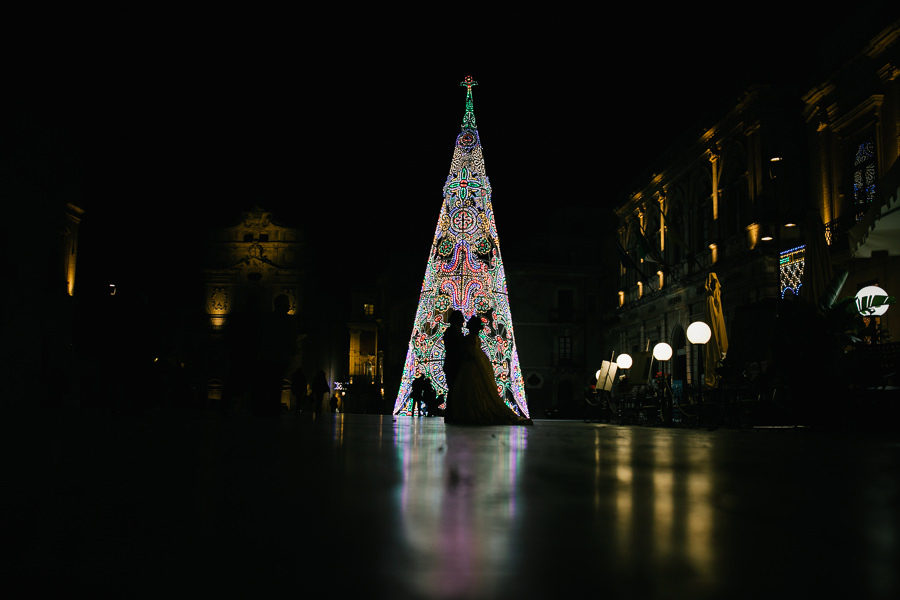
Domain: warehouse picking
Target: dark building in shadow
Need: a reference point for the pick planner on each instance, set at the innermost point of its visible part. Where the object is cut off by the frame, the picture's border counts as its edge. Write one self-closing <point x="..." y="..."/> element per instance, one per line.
<point x="40" y="185"/>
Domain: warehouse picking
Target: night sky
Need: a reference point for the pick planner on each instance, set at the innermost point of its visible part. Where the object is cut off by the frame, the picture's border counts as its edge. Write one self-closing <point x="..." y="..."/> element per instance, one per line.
<point x="348" y="131"/>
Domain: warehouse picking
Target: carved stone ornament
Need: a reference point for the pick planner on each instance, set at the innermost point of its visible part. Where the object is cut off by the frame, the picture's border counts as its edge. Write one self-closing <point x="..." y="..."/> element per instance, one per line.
<point x="218" y="300"/>
<point x="257" y="251"/>
<point x="257" y="219"/>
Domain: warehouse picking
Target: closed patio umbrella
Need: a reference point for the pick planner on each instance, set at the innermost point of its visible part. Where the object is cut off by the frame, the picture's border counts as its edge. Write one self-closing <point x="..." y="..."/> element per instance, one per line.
<point x="717" y="346"/>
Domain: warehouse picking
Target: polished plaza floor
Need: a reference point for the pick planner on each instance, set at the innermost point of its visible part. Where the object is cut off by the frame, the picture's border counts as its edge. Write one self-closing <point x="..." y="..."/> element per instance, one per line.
<point x="377" y="506"/>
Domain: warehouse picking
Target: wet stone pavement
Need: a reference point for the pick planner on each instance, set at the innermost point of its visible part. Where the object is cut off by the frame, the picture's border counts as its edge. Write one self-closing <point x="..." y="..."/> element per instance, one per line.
<point x="395" y="507"/>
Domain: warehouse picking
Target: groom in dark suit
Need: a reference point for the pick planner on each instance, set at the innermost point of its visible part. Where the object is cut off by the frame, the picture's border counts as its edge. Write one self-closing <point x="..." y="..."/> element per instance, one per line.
<point x="453" y="339"/>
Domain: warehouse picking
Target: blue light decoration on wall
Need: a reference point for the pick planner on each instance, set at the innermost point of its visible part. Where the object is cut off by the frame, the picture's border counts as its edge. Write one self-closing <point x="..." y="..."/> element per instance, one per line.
<point x="465" y="273"/>
<point x="791" y="264"/>
<point x="864" y="178"/>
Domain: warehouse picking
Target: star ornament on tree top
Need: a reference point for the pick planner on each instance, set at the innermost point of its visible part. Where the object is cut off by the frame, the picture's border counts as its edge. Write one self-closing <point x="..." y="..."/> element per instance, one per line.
<point x="469" y="118"/>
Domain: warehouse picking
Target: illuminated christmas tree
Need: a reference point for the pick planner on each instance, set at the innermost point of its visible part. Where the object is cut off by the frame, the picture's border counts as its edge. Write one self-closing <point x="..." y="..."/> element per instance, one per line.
<point x="465" y="273"/>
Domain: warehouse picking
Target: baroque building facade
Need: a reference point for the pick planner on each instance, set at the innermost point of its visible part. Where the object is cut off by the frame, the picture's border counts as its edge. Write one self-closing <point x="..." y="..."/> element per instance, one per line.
<point x="253" y="261"/>
<point x="781" y="194"/>
<point x="249" y="265"/>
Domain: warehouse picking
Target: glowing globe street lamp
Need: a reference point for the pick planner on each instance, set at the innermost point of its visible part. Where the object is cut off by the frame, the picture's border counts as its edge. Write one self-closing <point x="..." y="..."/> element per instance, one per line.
<point x="662" y="351"/>
<point x="865" y="301"/>
<point x="698" y="332"/>
<point x="624" y="361"/>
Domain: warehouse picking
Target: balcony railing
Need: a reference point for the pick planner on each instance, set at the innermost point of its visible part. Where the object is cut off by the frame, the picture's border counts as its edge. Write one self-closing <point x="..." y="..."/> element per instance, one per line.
<point x="836" y="232"/>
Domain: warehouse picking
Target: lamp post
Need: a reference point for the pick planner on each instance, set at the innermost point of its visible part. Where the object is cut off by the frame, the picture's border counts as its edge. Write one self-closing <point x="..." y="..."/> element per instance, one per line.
<point x="663" y="352"/>
<point x="698" y="333"/>
<point x="624" y="362"/>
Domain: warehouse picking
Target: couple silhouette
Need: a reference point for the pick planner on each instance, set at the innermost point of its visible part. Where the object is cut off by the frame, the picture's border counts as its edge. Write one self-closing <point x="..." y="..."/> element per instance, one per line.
<point x="472" y="395"/>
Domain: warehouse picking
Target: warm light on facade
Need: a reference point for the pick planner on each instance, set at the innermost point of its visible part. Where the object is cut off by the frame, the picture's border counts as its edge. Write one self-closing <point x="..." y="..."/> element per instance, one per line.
<point x="250" y="263"/>
<point x="70" y="245"/>
<point x="752" y="235"/>
<point x="218" y="306"/>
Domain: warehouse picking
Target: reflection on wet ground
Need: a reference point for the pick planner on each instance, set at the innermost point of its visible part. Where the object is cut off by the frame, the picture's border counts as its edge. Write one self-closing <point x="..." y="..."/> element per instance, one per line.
<point x="411" y="508"/>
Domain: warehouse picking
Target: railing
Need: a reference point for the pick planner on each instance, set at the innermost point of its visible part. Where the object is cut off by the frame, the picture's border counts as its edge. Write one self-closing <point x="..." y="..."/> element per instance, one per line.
<point x="836" y="232"/>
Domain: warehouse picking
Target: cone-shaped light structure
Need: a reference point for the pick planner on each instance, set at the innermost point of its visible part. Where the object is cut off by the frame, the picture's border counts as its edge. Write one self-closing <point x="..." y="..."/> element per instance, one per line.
<point x="465" y="273"/>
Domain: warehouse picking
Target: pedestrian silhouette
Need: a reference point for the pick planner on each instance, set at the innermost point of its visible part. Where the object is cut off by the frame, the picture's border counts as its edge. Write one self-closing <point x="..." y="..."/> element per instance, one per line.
<point x="429" y="398"/>
<point x="422" y="395"/>
<point x="320" y="387"/>
<point x="298" y="387"/>
<point x="277" y="345"/>
<point x="435" y="409"/>
<point x="242" y="341"/>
